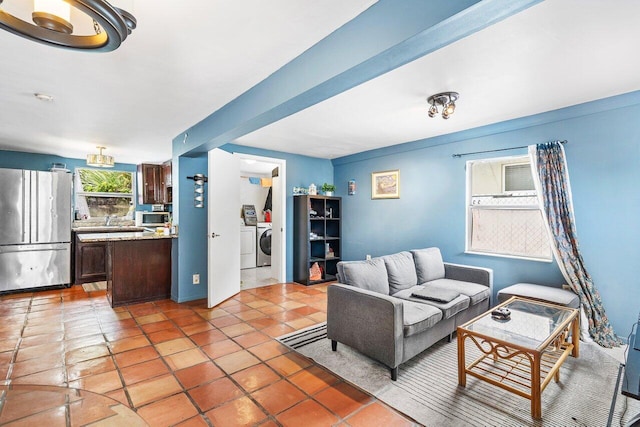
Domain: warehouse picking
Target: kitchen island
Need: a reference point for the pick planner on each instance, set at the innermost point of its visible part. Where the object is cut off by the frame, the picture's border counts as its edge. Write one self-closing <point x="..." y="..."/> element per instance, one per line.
<point x="138" y="265"/>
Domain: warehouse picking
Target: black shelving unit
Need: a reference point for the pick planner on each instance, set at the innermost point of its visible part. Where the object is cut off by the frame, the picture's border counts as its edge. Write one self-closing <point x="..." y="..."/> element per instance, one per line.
<point x="316" y="237"/>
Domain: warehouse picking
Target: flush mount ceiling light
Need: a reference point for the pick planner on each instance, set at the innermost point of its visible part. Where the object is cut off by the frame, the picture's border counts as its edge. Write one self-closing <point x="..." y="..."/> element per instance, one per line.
<point x="100" y="160"/>
<point x="111" y="25"/>
<point x="446" y="100"/>
<point x="43" y="97"/>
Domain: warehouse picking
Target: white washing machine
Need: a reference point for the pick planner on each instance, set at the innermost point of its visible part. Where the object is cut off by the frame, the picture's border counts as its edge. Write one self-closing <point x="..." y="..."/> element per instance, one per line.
<point x="263" y="244"/>
<point x="247" y="246"/>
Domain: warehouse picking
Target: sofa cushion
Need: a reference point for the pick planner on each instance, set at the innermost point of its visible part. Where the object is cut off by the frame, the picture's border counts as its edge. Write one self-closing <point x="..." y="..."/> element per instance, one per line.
<point x="448" y="309"/>
<point x="474" y="291"/>
<point x="434" y="293"/>
<point x="429" y="264"/>
<point x="401" y="271"/>
<point x="370" y="275"/>
<point x="542" y="293"/>
<point x="419" y="317"/>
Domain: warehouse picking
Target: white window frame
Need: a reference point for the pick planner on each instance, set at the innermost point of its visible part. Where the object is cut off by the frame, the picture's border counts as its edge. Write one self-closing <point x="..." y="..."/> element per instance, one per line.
<point x="77" y="194"/>
<point x="469" y="207"/>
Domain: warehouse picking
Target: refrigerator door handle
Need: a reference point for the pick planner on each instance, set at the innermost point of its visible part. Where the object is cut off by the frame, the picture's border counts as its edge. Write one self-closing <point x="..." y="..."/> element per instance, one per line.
<point x="35" y="207"/>
<point x="26" y="206"/>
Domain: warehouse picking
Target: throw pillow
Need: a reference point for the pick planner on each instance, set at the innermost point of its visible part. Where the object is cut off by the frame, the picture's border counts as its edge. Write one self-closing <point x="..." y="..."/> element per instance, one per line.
<point x="401" y="271"/>
<point x="429" y="264"/>
<point x="370" y="275"/>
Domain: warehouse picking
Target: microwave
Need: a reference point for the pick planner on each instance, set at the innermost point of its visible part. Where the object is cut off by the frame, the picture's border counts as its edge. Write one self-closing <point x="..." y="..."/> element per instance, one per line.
<point x="151" y="219"/>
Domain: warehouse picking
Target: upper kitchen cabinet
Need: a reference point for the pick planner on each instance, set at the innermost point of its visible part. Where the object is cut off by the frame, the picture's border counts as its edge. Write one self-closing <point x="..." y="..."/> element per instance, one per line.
<point x="168" y="186"/>
<point x="154" y="183"/>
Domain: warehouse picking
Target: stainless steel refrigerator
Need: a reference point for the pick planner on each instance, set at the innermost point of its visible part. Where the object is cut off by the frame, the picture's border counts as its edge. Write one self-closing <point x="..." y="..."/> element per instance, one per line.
<point x="35" y="229"/>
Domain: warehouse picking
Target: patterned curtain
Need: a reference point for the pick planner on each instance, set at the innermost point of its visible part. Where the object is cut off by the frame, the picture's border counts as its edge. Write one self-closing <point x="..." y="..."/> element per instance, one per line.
<point x="551" y="177"/>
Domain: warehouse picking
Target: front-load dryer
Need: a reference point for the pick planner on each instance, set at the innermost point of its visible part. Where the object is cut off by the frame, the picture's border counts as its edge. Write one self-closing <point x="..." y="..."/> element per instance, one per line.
<point x="263" y="244"/>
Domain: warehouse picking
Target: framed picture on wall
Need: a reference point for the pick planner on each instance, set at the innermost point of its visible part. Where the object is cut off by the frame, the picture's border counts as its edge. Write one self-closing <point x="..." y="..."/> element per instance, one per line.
<point x="385" y="185"/>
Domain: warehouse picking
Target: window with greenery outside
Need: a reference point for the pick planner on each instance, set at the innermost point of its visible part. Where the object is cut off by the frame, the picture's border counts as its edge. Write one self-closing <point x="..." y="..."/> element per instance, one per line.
<point x="102" y="193"/>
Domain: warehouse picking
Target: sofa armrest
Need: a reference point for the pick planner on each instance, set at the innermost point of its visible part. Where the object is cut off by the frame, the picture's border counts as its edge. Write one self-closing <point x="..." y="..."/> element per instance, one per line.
<point x="367" y="321"/>
<point x="469" y="273"/>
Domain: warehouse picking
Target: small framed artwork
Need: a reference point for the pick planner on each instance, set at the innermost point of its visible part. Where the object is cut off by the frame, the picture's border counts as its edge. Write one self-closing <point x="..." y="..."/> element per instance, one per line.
<point x="385" y="185"/>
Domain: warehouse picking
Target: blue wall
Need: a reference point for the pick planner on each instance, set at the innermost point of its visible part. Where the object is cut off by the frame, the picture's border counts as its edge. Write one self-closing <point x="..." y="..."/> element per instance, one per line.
<point x="603" y="155"/>
<point x="192" y="247"/>
<point x="43" y="162"/>
<point x="191" y="256"/>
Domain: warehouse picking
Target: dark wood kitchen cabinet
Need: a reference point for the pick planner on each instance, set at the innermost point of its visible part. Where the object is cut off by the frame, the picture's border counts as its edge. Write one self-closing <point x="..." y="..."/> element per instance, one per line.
<point x="90" y="265"/>
<point x="150" y="189"/>
<point x="167" y="182"/>
<point x="154" y="183"/>
<point x="138" y="270"/>
<point x="89" y="259"/>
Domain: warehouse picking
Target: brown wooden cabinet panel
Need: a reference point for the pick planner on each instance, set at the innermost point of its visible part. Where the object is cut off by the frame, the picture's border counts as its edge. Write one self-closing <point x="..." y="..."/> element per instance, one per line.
<point x="154" y="183"/>
<point x="167" y="182"/>
<point x="90" y="262"/>
<point x="138" y="270"/>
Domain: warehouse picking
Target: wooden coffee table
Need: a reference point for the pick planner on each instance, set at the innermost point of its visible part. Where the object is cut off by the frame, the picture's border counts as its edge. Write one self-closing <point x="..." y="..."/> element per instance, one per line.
<point x="520" y="355"/>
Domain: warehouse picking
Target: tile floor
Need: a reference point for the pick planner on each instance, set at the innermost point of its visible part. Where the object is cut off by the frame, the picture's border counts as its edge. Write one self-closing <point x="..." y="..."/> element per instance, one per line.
<point x="256" y="277"/>
<point x="177" y="364"/>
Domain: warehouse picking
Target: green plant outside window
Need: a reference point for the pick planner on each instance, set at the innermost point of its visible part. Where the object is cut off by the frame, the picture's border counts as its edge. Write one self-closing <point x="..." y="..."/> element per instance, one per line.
<point x="103" y="193"/>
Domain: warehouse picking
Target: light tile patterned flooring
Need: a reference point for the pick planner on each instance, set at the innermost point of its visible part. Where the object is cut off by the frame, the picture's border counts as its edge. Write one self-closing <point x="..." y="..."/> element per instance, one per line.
<point x="179" y="364"/>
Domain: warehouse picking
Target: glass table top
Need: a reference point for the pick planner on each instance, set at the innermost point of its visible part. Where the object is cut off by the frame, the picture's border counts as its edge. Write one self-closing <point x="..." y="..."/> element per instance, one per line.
<point x="530" y="325"/>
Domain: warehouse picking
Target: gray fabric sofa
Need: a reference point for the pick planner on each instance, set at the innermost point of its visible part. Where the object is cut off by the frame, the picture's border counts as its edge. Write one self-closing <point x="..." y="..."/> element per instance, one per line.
<point x="374" y="308"/>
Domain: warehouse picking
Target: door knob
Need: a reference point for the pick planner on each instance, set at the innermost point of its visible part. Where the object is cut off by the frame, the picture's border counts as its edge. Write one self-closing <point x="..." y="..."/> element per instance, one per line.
<point x="214" y="235"/>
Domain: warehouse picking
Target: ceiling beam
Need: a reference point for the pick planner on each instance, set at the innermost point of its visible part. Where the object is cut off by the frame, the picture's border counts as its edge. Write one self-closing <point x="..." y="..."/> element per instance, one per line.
<point x="386" y="36"/>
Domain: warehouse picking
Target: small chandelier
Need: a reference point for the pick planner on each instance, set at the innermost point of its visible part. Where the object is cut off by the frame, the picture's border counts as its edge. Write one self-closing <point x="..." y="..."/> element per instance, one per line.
<point x="447" y="100"/>
<point x="52" y="26"/>
<point x="100" y="160"/>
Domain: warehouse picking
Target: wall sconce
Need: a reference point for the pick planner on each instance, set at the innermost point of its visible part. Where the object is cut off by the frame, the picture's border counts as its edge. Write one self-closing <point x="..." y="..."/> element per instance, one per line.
<point x="198" y="189"/>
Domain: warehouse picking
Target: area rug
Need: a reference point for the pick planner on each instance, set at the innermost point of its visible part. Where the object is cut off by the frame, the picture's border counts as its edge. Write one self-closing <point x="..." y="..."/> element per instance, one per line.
<point x="427" y="388"/>
<point x="94" y="286"/>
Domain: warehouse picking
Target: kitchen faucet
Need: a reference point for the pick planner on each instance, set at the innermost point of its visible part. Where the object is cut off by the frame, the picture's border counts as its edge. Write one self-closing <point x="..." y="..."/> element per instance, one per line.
<point x="107" y="220"/>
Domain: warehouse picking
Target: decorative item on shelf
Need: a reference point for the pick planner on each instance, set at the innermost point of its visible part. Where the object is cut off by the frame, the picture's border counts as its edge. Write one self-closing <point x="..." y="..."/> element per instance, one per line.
<point x="313" y="190"/>
<point x="100" y="160"/>
<point x="351" y="188"/>
<point x="300" y="191"/>
<point x="198" y="192"/>
<point x="328" y="189"/>
<point x="447" y="100"/>
<point x="53" y="26"/>
<point x="385" y="185"/>
<point x="315" y="272"/>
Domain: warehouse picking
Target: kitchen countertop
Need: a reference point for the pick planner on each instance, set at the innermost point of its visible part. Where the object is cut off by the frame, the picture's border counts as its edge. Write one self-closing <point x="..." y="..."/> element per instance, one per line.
<point x="131" y="235"/>
<point x="105" y="228"/>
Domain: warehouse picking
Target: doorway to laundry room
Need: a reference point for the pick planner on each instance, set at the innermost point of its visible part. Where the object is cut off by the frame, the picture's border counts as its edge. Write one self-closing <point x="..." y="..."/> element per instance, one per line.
<point x="262" y="221"/>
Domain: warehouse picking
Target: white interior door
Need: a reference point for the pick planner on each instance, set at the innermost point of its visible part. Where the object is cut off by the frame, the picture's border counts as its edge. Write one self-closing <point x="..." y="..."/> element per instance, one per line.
<point x="223" y="227"/>
<point x="277" y="232"/>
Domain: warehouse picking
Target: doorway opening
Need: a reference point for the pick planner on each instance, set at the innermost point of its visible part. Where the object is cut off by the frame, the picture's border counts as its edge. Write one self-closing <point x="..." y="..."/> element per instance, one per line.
<point x="262" y="248"/>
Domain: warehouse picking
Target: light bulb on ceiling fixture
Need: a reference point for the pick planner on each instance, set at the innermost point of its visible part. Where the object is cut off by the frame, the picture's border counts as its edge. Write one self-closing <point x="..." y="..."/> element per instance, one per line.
<point x="100" y="160"/>
<point x="446" y="100"/>
<point x="433" y="110"/>
<point x="52" y="18"/>
<point x="52" y="15"/>
<point x="450" y="108"/>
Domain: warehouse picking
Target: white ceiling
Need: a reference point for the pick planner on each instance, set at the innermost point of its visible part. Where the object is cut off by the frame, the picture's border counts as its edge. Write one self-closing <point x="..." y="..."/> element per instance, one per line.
<point x="555" y="54"/>
<point x="179" y="65"/>
<point x="171" y="73"/>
